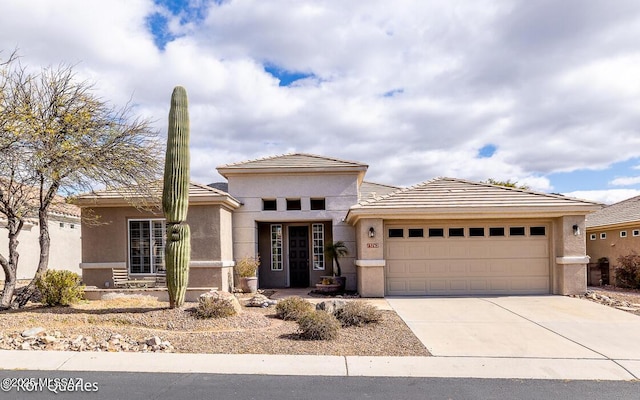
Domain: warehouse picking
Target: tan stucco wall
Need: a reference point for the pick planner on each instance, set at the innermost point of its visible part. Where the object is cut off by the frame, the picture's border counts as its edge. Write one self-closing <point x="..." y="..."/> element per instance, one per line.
<point x="211" y="243"/>
<point x="107" y="242"/>
<point x="99" y="277"/>
<point x="370" y="258"/>
<point x="569" y="272"/>
<point x="339" y="190"/>
<point x="613" y="246"/>
<point x="64" y="253"/>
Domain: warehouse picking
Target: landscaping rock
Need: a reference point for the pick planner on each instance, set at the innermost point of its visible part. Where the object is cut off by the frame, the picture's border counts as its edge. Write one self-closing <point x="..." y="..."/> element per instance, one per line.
<point x="42" y="340"/>
<point x="217" y="296"/>
<point x="260" y="300"/>
<point x="32" y="332"/>
<point x="330" y="306"/>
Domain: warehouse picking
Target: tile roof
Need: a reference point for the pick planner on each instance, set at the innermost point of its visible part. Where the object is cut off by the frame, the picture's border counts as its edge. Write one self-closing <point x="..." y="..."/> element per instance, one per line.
<point x="297" y="161"/>
<point x="196" y="191"/>
<point x="625" y="211"/>
<point x="59" y="205"/>
<point x="370" y="190"/>
<point x="451" y="193"/>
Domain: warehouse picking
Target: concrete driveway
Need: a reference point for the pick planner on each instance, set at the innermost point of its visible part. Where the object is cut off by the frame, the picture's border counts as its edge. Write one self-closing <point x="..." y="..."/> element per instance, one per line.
<point x="524" y="327"/>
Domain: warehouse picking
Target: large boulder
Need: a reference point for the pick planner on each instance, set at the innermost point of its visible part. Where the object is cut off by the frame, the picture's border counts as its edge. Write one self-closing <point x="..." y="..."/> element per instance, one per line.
<point x="330" y="306"/>
<point x="260" y="300"/>
<point x="216" y="295"/>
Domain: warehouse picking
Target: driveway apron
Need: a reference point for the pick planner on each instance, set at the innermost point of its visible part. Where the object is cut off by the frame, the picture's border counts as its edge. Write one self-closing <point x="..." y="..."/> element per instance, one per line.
<point x="520" y="326"/>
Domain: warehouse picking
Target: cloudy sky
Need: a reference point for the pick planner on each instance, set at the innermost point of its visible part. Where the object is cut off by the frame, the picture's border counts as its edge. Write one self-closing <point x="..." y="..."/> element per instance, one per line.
<point x="545" y="92"/>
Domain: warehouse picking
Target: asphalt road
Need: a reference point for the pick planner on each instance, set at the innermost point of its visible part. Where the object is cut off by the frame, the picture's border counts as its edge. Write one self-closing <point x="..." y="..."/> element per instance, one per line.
<point x="133" y="386"/>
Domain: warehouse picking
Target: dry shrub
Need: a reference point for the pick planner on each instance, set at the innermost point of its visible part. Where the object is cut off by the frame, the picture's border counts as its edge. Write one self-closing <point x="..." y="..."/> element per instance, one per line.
<point x="210" y="307"/>
<point x="357" y="313"/>
<point x="292" y="308"/>
<point x="318" y="325"/>
<point x="628" y="271"/>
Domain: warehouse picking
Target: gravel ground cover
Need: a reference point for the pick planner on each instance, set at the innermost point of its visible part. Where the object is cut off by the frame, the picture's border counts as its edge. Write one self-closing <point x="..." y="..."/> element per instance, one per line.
<point x="254" y="331"/>
<point x="623" y="299"/>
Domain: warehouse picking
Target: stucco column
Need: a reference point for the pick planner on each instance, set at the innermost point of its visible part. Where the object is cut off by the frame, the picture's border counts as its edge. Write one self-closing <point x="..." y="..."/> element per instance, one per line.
<point x="370" y="257"/>
<point x="570" y="266"/>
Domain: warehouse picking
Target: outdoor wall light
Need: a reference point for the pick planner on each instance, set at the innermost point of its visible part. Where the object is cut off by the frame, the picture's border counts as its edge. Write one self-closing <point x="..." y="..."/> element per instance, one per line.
<point x="576" y="230"/>
<point x="372" y="232"/>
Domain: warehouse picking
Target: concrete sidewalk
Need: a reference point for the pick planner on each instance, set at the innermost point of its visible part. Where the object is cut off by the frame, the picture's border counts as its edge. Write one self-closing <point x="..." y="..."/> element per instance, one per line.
<point x="448" y="367"/>
<point x="530" y="337"/>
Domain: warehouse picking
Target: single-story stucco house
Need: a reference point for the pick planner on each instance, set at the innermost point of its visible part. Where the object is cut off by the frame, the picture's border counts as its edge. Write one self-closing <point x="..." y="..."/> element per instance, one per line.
<point x="612" y="232"/>
<point x="441" y="237"/>
<point x="119" y="235"/>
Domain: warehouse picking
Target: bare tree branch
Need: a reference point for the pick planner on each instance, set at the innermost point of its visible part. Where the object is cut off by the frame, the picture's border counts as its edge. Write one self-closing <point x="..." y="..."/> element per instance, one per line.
<point x="59" y="136"/>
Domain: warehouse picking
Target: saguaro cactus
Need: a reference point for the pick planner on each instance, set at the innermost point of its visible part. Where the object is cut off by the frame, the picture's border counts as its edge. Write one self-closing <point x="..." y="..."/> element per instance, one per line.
<point x="175" y="198"/>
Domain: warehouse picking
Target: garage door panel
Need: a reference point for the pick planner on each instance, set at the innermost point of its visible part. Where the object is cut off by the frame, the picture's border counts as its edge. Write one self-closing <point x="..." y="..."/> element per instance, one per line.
<point x="417" y="267"/>
<point x="460" y="266"/>
<point x="478" y="267"/>
<point x="395" y="268"/>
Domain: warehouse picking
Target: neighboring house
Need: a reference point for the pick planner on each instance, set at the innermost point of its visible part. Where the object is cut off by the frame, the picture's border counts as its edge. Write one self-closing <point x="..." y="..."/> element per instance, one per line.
<point x="614" y="231"/>
<point x="442" y="237"/>
<point x="65" y="235"/>
<point x="119" y="235"/>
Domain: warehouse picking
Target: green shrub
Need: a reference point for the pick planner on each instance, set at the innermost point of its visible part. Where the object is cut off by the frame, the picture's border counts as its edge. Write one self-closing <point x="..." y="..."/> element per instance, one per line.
<point x="318" y="325"/>
<point x="357" y="313"/>
<point x="292" y="308"/>
<point x="210" y="307"/>
<point x="628" y="271"/>
<point x="60" y="288"/>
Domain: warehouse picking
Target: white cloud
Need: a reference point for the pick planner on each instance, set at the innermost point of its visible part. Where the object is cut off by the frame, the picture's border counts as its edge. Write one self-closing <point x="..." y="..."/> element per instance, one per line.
<point x="604" y="196"/>
<point x="552" y="86"/>
<point x="626" y="181"/>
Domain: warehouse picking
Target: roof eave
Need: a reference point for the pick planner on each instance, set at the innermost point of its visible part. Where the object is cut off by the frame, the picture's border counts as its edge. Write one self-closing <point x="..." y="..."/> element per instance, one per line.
<point x="226" y="172"/>
<point x="358" y="212"/>
<point x="617" y="225"/>
<point x="89" y="202"/>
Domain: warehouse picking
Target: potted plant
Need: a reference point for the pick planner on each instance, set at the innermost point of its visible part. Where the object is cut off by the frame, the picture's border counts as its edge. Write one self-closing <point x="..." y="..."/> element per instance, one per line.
<point x="247" y="268"/>
<point x="328" y="284"/>
<point x="334" y="251"/>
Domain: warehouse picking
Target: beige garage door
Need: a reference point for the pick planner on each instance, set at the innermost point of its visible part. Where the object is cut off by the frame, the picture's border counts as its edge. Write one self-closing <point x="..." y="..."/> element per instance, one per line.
<point x="467" y="260"/>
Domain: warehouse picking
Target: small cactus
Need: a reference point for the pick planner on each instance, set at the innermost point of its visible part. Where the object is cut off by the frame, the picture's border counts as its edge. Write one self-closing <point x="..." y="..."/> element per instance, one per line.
<point x="175" y="198"/>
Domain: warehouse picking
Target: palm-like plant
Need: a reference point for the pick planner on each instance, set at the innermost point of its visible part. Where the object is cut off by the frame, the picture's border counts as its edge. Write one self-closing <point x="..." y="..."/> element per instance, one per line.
<point x="334" y="251"/>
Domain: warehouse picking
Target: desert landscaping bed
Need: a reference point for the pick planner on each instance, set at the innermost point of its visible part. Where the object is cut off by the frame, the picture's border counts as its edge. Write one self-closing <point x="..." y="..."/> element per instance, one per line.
<point x="141" y="323"/>
<point x="623" y="299"/>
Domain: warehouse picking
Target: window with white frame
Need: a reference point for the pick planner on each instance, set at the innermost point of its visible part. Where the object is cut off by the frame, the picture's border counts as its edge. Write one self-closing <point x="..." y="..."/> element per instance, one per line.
<point x="318" y="246"/>
<point x="592" y="236"/>
<point x="623" y="234"/>
<point x="603" y="235"/>
<point x="636" y="232"/>
<point x="276" y="247"/>
<point x="146" y="246"/>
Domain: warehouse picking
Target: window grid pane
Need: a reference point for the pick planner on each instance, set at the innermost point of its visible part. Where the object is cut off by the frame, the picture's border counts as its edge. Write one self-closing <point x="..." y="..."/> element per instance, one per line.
<point x="146" y="246"/>
<point x="276" y="247"/>
<point x="158" y="243"/>
<point x="318" y="247"/>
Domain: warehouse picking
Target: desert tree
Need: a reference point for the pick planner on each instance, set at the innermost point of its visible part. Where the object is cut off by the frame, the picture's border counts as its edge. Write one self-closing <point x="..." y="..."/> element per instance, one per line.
<point x="64" y="139"/>
<point x="507" y="183"/>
